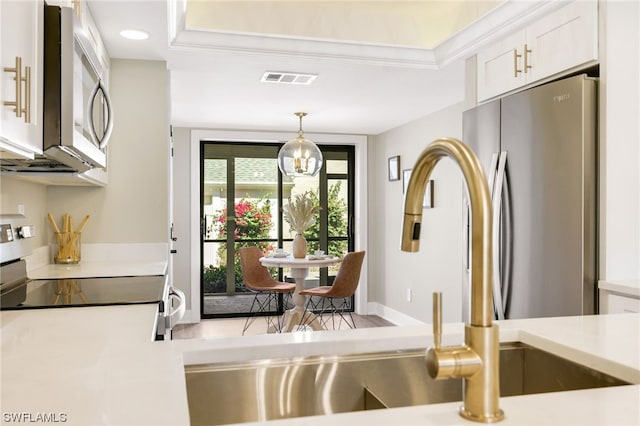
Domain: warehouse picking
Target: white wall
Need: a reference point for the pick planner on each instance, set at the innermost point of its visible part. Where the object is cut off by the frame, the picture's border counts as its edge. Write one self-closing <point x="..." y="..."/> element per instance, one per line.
<point x="183" y="259"/>
<point x="30" y="195"/>
<point x="437" y="266"/>
<point x="133" y="207"/>
<point x="620" y="140"/>
<point x="186" y="193"/>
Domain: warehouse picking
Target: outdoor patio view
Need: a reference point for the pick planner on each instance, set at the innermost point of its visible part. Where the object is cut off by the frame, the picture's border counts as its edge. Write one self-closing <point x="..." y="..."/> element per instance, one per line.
<point x="257" y="191"/>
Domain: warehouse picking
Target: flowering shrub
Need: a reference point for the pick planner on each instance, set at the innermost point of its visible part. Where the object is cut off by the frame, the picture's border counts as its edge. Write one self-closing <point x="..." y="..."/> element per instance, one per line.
<point x="253" y="220"/>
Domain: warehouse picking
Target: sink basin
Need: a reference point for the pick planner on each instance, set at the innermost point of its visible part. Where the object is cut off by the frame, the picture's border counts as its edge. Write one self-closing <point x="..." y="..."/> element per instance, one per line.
<point x="294" y="387"/>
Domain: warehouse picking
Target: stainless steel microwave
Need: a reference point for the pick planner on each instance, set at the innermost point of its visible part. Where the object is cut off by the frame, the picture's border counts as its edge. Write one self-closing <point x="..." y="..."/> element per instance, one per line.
<point x="78" y="116"/>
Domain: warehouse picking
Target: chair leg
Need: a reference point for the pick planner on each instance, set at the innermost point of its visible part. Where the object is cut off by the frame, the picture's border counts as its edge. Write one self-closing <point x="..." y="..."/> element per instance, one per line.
<point x="280" y="301"/>
<point x="325" y="310"/>
<point x="324" y="307"/>
<point x="251" y="316"/>
<point x="314" y="307"/>
<point x="304" y="319"/>
<point x="344" y="307"/>
<point x="263" y="306"/>
<point x="286" y="300"/>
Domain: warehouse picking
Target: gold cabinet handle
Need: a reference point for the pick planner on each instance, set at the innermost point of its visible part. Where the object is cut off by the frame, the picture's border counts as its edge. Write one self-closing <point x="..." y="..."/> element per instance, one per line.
<point x="27" y="95"/>
<point x="22" y="104"/>
<point x="77" y="7"/>
<point x="516" y="55"/>
<point x="527" y="51"/>
<point x="17" y="104"/>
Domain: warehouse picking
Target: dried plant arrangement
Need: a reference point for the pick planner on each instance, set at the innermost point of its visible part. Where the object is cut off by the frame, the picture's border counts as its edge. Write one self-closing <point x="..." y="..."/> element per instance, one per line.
<point x="300" y="212"/>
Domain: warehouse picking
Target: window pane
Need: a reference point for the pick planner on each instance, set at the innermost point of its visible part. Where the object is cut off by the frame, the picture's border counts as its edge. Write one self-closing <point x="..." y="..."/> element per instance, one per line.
<point x="256" y="202"/>
<point x="338" y="208"/>
<point x="214" y="199"/>
<point x="300" y="186"/>
<point x="337" y="166"/>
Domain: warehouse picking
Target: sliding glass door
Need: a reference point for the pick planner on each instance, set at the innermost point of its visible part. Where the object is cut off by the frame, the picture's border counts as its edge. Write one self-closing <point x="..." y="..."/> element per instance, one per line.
<point x="242" y="193"/>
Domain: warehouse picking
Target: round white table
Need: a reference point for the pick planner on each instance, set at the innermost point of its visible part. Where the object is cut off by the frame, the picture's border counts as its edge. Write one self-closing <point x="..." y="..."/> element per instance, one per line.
<point x="299" y="271"/>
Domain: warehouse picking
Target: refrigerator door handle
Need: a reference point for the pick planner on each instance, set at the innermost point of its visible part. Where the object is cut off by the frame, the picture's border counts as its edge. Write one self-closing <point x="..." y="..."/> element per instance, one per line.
<point x="492" y="173"/>
<point x="506" y="248"/>
<point x="498" y="185"/>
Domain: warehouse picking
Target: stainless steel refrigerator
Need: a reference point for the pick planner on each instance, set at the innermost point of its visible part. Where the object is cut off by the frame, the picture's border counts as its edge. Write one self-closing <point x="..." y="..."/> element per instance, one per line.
<point x="538" y="151"/>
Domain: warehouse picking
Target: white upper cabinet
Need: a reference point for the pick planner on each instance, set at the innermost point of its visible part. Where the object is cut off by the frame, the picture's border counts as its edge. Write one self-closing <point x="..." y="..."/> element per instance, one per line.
<point x="500" y="66"/>
<point x="560" y="41"/>
<point x="21" y="83"/>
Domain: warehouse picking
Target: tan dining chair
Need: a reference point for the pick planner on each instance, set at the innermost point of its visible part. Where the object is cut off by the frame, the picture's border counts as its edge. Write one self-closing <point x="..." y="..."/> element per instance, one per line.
<point x="267" y="290"/>
<point x="322" y="300"/>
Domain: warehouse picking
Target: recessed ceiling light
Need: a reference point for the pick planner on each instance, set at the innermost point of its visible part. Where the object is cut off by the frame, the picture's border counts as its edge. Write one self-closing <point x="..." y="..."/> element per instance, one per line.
<point x="134" y="34"/>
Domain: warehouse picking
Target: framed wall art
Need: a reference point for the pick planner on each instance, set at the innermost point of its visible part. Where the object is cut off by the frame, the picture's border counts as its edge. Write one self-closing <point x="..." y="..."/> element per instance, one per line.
<point x="394" y="168"/>
<point x="427" y="203"/>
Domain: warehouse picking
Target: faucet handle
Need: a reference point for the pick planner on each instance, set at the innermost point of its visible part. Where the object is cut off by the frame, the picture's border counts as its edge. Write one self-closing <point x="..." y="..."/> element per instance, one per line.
<point x="450" y="361"/>
<point x="437" y="319"/>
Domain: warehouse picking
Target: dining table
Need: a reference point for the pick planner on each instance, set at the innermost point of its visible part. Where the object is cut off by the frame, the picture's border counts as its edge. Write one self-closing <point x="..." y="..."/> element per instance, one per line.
<point x="292" y="318"/>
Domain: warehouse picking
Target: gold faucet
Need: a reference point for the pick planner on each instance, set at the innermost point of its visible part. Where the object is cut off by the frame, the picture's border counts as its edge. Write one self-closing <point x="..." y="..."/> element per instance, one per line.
<point x="477" y="361"/>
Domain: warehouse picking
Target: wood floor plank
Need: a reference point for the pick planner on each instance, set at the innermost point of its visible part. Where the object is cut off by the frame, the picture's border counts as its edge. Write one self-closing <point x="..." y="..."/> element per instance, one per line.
<point x="232" y="327"/>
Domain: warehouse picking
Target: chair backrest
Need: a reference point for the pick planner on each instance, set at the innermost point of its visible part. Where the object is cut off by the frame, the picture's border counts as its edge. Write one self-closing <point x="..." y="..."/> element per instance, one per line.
<point x="348" y="276"/>
<point x="255" y="275"/>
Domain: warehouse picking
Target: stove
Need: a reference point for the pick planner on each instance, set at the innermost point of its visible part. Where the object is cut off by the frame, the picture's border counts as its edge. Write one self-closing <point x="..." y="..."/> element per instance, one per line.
<point x="17" y="291"/>
<point x="77" y="292"/>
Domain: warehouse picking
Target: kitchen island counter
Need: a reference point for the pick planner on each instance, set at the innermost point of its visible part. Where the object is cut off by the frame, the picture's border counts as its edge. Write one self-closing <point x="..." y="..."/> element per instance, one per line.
<point x="100" y="366"/>
<point x="87" y="366"/>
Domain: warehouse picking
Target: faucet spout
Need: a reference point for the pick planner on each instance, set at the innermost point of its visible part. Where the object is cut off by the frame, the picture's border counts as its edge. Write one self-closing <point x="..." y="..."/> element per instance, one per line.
<point x="477" y="361"/>
<point x="481" y="313"/>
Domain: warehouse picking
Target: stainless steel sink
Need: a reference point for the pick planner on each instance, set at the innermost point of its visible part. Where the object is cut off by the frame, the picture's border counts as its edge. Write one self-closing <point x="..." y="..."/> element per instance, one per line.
<point x="295" y="387"/>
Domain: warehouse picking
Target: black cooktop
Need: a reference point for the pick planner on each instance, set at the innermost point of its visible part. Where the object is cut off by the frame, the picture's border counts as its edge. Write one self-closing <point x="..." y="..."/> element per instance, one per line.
<point x="78" y="292"/>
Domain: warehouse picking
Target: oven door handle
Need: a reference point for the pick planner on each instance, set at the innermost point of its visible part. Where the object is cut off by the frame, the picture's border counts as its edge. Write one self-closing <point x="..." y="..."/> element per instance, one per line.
<point x="176" y="314"/>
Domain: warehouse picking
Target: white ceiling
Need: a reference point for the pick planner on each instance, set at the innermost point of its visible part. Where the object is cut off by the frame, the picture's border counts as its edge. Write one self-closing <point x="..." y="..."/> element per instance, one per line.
<point x="368" y="81"/>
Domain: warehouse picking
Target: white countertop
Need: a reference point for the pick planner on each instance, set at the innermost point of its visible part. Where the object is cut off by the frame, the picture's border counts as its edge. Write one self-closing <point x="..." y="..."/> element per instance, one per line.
<point x="99" y="269"/>
<point x="625" y="287"/>
<point x="99" y="366"/>
<point x="95" y="365"/>
<point x="102" y="260"/>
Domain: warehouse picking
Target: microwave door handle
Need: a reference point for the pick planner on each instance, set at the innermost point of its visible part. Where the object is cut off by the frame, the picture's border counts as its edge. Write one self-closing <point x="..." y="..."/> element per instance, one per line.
<point x="102" y="143"/>
<point x="109" y="112"/>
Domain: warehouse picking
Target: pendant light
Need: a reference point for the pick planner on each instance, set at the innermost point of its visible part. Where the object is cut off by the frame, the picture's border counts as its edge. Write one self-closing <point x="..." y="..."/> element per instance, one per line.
<point x="300" y="156"/>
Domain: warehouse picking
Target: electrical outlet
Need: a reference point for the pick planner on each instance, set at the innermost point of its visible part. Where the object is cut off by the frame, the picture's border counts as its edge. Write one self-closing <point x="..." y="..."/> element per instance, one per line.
<point x="409" y="295"/>
<point x="21" y="209"/>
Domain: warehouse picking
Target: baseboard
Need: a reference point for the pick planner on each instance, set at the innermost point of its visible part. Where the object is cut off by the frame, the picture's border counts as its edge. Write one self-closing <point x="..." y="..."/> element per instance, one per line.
<point x="391" y="315"/>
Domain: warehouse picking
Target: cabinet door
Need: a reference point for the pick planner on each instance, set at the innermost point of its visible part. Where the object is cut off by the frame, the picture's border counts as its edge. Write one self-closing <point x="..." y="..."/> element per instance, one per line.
<point x="500" y="67"/>
<point x="21" y="37"/>
<point x="563" y="40"/>
<point x="612" y="303"/>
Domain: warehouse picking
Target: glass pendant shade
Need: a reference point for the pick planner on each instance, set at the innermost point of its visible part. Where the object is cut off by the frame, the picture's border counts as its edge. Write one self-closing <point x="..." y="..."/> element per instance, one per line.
<point x="300" y="156"/>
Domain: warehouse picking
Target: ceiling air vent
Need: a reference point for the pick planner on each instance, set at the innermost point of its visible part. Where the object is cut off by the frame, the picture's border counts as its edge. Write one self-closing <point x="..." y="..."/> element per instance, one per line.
<point x="288" y="77"/>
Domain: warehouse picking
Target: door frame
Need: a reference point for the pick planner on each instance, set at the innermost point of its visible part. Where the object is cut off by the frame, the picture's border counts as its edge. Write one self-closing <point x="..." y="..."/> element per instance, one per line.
<point x="360" y="199"/>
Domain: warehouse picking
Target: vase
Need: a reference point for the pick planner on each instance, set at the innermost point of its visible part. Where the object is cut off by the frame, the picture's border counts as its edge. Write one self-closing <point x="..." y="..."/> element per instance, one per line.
<point x="299" y="246"/>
